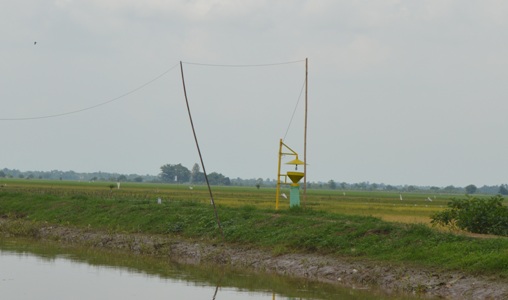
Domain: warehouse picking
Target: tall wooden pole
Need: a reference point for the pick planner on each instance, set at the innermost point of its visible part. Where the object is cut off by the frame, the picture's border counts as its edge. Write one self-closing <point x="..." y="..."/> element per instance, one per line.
<point x="305" y="136"/>
<point x="200" y="156"/>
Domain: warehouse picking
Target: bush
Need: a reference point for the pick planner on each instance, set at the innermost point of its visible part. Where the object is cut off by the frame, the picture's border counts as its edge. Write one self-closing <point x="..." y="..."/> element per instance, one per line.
<point x="487" y="216"/>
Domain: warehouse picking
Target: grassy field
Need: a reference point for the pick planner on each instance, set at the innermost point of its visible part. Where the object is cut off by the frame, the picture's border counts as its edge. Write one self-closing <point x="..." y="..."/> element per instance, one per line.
<point x="414" y="208"/>
<point x="365" y="225"/>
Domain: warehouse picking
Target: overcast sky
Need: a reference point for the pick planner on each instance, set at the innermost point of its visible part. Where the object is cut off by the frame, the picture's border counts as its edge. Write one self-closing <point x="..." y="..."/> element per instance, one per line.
<point x="400" y="92"/>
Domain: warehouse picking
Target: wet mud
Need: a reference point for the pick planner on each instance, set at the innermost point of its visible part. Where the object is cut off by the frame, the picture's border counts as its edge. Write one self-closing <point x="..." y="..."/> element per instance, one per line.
<point x="346" y="272"/>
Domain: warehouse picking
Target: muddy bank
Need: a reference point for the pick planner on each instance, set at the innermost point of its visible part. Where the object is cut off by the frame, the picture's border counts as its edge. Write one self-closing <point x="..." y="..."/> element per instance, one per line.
<point x="340" y="271"/>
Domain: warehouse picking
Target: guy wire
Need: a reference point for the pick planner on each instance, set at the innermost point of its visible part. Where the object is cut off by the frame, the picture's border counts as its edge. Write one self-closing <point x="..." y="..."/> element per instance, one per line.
<point x="294" y="111"/>
<point x="90" y="107"/>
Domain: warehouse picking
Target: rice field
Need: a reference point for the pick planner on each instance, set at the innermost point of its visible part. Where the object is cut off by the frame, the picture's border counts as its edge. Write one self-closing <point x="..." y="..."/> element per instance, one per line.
<point x="389" y="206"/>
<point x="374" y="225"/>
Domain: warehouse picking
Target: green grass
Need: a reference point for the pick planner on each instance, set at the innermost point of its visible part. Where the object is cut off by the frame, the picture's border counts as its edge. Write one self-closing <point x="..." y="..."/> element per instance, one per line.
<point x="331" y="223"/>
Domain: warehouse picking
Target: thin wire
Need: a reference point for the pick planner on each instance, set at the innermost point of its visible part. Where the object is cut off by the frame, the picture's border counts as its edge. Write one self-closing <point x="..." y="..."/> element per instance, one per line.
<point x="244" y="66"/>
<point x="94" y="106"/>
<point x="294" y="111"/>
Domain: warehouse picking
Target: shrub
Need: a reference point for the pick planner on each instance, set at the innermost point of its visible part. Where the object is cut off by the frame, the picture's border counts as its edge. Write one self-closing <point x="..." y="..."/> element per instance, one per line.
<point x="487" y="216"/>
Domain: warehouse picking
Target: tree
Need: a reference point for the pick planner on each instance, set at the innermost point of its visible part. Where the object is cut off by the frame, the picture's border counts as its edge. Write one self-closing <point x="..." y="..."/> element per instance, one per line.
<point x="259" y="183"/>
<point x="411" y="188"/>
<point x="390" y="188"/>
<point x="215" y="178"/>
<point x="450" y="189"/>
<point x="503" y="190"/>
<point x="471" y="189"/>
<point x="122" y="178"/>
<point x="332" y="185"/>
<point x="2" y="174"/>
<point x="196" y="176"/>
<point x="175" y="173"/>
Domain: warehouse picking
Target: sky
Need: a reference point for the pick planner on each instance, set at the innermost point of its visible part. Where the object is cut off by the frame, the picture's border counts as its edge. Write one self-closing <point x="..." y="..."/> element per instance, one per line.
<point x="399" y="92"/>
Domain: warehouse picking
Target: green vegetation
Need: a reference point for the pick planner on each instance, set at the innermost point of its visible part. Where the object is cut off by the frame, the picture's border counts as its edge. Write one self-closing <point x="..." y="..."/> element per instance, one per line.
<point x="487" y="216"/>
<point x="471" y="189"/>
<point x="332" y="222"/>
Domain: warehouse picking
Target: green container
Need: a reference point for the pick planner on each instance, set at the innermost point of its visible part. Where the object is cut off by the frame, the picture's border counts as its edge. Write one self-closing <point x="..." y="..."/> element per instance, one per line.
<point x="294" y="196"/>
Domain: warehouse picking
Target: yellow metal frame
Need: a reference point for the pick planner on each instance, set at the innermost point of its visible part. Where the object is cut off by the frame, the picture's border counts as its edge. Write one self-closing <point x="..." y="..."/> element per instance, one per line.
<point x="279" y="175"/>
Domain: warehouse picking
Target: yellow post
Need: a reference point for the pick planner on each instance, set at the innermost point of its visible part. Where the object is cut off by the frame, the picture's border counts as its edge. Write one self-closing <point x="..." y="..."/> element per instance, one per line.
<point x="295" y="162"/>
<point x="278" y="178"/>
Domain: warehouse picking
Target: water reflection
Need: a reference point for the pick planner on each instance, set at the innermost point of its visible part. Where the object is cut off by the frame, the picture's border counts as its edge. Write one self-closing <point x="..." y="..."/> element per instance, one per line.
<point x="46" y="271"/>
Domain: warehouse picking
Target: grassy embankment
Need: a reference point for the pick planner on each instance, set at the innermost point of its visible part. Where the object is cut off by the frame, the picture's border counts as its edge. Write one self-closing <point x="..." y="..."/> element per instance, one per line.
<point x="332" y="223"/>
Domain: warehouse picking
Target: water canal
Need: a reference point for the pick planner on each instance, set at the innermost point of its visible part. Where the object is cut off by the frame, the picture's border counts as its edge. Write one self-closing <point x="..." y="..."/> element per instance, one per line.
<point x="31" y="270"/>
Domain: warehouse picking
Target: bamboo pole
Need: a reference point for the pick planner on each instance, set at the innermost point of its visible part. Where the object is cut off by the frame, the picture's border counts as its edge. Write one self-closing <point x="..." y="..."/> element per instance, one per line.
<point x="200" y="156"/>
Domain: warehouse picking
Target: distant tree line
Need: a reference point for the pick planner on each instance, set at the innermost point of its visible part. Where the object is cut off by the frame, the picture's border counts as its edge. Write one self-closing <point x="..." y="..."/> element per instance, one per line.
<point x="177" y="173"/>
<point x="71" y="175"/>
<point x="450" y="189"/>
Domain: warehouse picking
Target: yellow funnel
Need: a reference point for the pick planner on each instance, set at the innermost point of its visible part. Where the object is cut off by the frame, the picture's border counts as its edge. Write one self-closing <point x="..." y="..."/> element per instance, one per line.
<point x="295" y="176"/>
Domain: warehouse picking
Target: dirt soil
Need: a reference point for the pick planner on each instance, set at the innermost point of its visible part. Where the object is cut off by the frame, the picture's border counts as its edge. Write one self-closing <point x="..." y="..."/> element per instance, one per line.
<point x="346" y="272"/>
